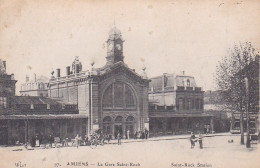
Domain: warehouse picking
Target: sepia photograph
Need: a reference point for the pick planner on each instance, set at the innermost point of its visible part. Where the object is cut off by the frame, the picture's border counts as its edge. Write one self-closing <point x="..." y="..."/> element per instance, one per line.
<point x="129" y="84"/>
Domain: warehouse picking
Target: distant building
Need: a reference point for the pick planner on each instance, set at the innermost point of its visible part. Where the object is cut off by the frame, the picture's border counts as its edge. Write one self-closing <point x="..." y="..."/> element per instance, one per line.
<point x="38" y="86"/>
<point x="215" y="106"/>
<point x="251" y="71"/>
<point x="176" y="106"/>
<point x="7" y="88"/>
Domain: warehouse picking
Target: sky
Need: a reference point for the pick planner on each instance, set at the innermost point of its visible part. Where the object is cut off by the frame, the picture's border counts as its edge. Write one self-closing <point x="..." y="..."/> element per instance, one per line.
<point x="164" y="36"/>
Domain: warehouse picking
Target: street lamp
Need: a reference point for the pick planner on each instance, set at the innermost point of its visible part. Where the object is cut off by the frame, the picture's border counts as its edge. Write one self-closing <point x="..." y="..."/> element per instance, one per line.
<point x="247" y="114"/>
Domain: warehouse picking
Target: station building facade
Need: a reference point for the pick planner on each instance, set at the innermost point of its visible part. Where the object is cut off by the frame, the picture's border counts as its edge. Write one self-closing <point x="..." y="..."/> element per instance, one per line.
<point x="113" y="97"/>
<point x="36" y="86"/>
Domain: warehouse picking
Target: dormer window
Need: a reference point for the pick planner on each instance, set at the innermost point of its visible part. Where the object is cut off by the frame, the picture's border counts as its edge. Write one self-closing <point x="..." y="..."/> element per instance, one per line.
<point x="48" y="106"/>
<point x="31" y="106"/>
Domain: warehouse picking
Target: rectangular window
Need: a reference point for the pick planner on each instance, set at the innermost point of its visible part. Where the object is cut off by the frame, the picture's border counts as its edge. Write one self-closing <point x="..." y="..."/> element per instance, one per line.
<point x="3" y="102"/>
<point x="180" y="104"/>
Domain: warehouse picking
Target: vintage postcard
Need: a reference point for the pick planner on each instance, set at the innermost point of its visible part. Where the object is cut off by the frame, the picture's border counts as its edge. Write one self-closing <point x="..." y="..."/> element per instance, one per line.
<point x="129" y="84"/>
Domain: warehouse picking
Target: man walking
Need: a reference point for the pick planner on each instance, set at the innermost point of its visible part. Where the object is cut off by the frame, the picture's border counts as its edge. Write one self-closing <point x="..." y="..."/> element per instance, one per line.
<point x="118" y="138"/>
<point x="200" y="140"/>
<point x="146" y="132"/>
<point x="77" y="141"/>
<point x="192" y="140"/>
<point x="128" y="134"/>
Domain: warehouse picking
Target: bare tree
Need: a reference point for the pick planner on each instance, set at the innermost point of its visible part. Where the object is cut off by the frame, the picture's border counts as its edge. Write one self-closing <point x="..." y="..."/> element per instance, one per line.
<point x="230" y="75"/>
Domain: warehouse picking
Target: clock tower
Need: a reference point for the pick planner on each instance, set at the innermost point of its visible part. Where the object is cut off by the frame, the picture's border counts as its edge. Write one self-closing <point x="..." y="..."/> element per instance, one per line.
<point x="114" y="46"/>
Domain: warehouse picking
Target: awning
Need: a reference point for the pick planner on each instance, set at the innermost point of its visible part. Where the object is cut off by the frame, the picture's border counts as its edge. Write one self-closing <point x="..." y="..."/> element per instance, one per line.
<point x="47" y="116"/>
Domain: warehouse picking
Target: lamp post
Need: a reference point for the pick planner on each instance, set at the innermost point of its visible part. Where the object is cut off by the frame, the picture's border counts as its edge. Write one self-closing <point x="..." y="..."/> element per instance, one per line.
<point x="247" y="114"/>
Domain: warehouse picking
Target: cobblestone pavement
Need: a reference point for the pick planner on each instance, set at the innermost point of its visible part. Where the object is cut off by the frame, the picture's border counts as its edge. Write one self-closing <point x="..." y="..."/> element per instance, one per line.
<point x="158" y="152"/>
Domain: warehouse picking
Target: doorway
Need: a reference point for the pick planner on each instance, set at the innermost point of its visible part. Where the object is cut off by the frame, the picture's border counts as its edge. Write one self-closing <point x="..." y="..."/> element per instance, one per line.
<point x="118" y="128"/>
<point x="130" y="128"/>
<point x="3" y="136"/>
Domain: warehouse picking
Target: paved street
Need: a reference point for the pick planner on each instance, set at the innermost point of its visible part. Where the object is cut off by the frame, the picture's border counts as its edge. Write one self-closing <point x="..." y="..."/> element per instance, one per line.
<point x="217" y="153"/>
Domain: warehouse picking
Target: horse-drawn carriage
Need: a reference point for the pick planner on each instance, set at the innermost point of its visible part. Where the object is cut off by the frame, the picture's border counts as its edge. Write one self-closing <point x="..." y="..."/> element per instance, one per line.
<point x="98" y="138"/>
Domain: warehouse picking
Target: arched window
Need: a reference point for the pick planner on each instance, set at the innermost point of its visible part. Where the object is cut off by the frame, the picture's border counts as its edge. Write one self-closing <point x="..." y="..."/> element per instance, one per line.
<point x="188" y="83"/>
<point x="119" y="119"/>
<point x="119" y="95"/>
<point x="130" y="119"/>
<point x="107" y="119"/>
<point x="107" y="99"/>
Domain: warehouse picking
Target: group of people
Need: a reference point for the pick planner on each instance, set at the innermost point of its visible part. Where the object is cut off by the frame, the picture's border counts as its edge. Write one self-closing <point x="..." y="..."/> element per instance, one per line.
<point x="142" y="134"/>
<point x="206" y="129"/>
<point x="85" y="140"/>
<point x="194" y="139"/>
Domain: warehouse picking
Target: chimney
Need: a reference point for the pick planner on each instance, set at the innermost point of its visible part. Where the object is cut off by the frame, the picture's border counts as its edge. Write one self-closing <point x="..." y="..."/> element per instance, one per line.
<point x="68" y="70"/>
<point x="4" y="62"/>
<point x="58" y="72"/>
<point x="35" y="77"/>
<point x="27" y="78"/>
<point x="77" y="68"/>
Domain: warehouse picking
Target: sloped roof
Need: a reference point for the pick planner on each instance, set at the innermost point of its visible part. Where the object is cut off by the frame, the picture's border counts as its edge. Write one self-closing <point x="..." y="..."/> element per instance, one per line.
<point x="109" y="68"/>
<point x="115" y="33"/>
<point x="171" y="80"/>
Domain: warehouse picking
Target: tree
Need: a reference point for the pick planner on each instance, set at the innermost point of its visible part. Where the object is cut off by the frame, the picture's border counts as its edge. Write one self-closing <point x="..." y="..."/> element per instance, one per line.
<point x="230" y="74"/>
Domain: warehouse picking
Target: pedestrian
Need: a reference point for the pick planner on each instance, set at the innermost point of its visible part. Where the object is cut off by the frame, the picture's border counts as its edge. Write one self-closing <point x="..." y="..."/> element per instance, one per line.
<point x="200" y="140"/>
<point x="135" y="136"/>
<point x="118" y="138"/>
<point x="37" y="141"/>
<point x="128" y="134"/>
<point x="192" y="140"/>
<point x="146" y="132"/>
<point x="33" y="141"/>
<point x="143" y="135"/>
<point x="50" y="140"/>
<point x="205" y="129"/>
<point x="77" y="141"/>
<point x="66" y="142"/>
<point x="86" y="140"/>
<point x="208" y="129"/>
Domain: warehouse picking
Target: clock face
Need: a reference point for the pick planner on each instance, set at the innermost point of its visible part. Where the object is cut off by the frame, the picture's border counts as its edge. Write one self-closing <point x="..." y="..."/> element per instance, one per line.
<point x="118" y="47"/>
<point x="110" y="46"/>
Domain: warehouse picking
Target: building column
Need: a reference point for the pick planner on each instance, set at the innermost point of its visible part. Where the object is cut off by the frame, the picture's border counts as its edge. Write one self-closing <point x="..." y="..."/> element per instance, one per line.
<point x="113" y="129"/>
<point x="123" y="130"/>
<point x="212" y="124"/>
<point x="25" y="132"/>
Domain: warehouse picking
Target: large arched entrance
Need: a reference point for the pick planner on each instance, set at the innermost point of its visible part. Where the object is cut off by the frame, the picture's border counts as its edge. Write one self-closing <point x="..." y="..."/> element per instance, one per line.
<point x="107" y="125"/>
<point x="130" y="126"/>
<point x="118" y="126"/>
